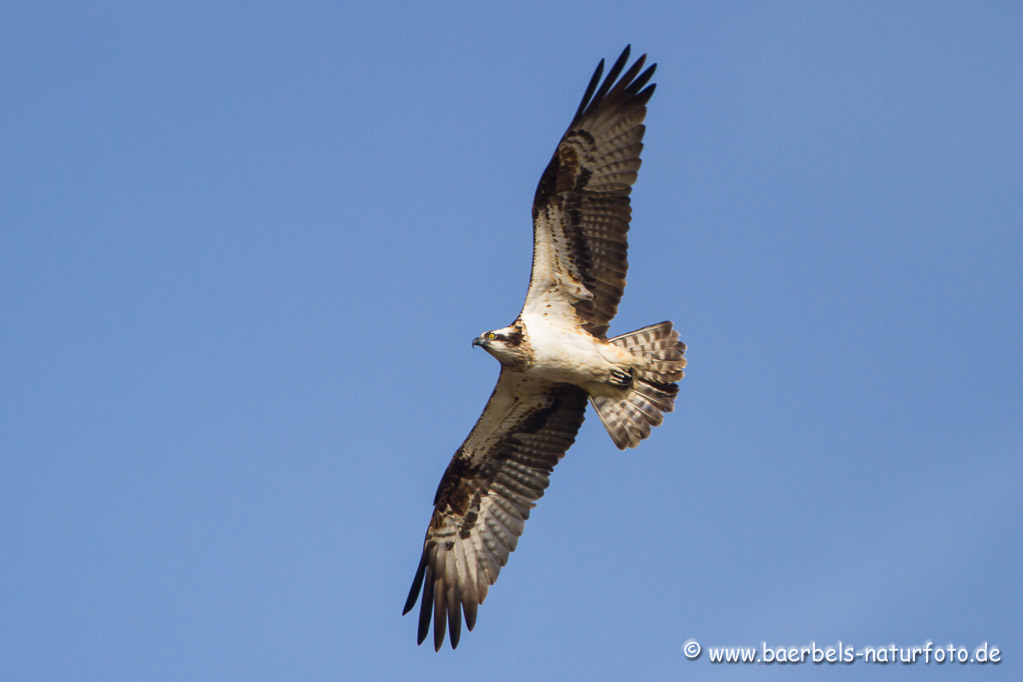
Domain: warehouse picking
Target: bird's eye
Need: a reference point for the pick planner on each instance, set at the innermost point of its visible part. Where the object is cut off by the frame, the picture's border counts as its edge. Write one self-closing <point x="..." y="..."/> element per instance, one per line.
<point x="491" y="335"/>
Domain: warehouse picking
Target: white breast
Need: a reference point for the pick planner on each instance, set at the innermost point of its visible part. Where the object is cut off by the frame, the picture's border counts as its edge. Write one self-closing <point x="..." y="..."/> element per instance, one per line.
<point x="562" y="353"/>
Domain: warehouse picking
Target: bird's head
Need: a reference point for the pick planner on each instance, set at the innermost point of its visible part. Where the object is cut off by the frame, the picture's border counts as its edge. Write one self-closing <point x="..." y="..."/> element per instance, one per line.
<point x="507" y="345"/>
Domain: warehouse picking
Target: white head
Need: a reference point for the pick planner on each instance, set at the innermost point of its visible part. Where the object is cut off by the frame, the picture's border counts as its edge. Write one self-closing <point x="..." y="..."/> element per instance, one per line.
<point x="509" y="345"/>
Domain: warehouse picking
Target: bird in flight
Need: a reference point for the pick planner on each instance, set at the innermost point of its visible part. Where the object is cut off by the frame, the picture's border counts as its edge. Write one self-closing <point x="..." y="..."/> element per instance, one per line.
<point x="554" y="357"/>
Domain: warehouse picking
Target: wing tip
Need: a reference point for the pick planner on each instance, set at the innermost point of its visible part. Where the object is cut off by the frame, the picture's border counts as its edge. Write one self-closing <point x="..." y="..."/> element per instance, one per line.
<point x="630" y="84"/>
<point x="417" y="585"/>
<point x="424" y="609"/>
<point x="438" y="605"/>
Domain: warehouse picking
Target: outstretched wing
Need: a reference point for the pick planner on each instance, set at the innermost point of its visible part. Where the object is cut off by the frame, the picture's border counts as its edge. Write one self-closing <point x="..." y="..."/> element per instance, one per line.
<point x="581" y="209"/>
<point x="485" y="496"/>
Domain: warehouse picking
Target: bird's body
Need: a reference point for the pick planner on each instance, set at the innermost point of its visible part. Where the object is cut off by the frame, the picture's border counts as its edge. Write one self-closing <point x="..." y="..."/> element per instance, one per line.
<point x="554" y="357"/>
<point x="562" y="353"/>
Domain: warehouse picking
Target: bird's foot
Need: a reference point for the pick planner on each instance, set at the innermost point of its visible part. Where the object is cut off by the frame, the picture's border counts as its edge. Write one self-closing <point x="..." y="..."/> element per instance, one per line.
<point x="622" y="378"/>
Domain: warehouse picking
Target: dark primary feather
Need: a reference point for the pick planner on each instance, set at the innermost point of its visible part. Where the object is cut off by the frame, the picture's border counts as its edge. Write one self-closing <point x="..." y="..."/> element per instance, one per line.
<point x="485" y="496"/>
<point x="581" y="209"/>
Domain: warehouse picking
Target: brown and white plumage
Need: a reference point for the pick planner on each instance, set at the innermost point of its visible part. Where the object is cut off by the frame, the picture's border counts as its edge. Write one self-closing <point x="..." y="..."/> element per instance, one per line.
<point x="554" y="357"/>
<point x="486" y="493"/>
<point x="581" y="208"/>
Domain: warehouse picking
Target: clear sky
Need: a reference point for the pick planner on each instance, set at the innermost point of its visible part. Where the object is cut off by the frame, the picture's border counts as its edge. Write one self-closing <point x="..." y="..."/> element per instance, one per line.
<point x="244" y="250"/>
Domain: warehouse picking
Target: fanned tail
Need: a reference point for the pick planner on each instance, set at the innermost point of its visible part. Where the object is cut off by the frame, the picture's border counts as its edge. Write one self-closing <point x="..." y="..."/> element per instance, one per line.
<point x="630" y="418"/>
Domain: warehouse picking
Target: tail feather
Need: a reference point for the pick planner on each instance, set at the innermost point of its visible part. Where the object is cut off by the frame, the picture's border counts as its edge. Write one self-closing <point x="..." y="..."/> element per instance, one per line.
<point x="629" y="418"/>
<point x="661" y="396"/>
<point x="640" y="421"/>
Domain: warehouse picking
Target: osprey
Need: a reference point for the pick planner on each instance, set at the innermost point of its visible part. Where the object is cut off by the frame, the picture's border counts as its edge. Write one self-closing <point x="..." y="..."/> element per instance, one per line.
<point x="554" y="357"/>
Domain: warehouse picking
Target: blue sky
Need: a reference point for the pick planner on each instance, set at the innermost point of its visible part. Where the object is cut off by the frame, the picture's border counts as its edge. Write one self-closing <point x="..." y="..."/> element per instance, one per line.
<point x="244" y="251"/>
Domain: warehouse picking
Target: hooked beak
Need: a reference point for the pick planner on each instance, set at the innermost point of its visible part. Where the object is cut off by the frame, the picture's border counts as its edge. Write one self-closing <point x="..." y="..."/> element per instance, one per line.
<point x="479" y="341"/>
